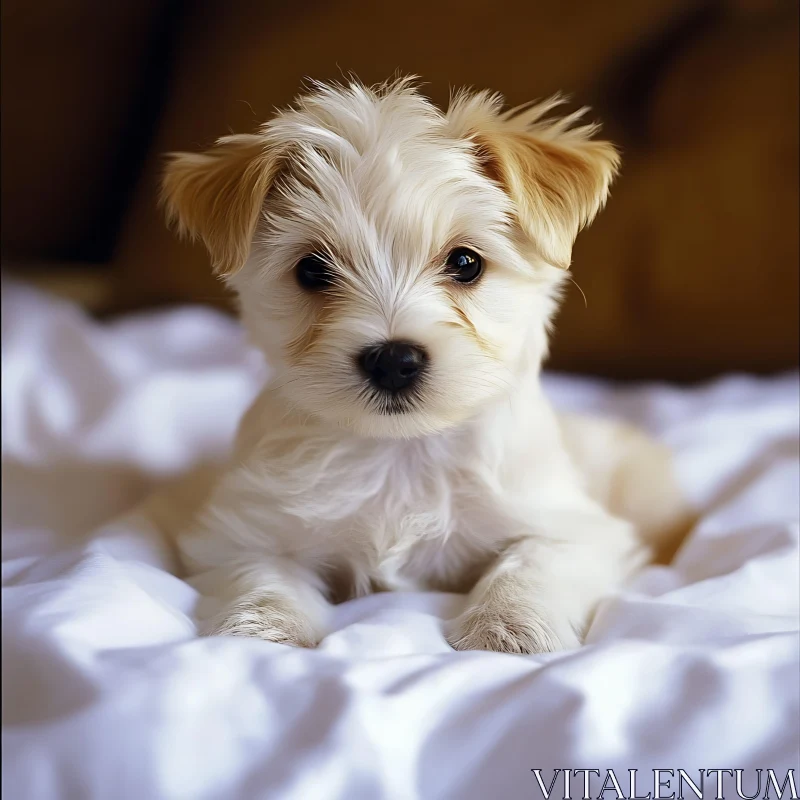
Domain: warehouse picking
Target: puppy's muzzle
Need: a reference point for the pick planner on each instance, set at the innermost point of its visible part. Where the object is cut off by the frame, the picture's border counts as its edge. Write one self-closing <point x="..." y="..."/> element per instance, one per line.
<point x="393" y="366"/>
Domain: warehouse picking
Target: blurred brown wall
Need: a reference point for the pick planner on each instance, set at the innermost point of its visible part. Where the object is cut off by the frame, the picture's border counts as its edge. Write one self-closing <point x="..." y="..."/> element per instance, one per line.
<point x="692" y="269"/>
<point x="80" y="83"/>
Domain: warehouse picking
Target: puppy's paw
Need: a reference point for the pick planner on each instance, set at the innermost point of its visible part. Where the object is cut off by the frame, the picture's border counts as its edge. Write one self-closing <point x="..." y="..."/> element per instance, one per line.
<point x="510" y="629"/>
<point x="265" y="617"/>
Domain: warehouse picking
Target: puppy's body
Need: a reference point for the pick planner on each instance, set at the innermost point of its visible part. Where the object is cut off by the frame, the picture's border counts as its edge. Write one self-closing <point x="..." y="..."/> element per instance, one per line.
<point x="328" y="516"/>
<point x="360" y="229"/>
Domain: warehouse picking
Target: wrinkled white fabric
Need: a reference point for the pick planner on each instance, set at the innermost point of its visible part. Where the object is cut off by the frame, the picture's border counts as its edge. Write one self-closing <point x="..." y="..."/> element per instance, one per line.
<point x="109" y="693"/>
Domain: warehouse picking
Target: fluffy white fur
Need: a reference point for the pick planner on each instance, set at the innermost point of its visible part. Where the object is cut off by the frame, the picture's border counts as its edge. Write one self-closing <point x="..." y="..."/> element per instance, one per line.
<point x="473" y="488"/>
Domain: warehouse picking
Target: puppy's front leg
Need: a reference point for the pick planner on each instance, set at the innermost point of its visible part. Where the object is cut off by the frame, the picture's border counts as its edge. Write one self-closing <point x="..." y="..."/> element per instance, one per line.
<point x="540" y="593"/>
<point x="273" y="599"/>
<point x="236" y="548"/>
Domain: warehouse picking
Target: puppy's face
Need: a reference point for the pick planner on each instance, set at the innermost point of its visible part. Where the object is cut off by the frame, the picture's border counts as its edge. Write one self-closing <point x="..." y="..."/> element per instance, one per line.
<point x="397" y="264"/>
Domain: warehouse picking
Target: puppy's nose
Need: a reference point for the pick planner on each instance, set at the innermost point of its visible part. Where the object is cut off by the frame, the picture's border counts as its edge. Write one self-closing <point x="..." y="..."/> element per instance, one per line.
<point x="393" y="365"/>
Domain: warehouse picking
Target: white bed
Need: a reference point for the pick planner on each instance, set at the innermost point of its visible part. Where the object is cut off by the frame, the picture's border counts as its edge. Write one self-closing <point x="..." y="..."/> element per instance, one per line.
<point x="109" y="693"/>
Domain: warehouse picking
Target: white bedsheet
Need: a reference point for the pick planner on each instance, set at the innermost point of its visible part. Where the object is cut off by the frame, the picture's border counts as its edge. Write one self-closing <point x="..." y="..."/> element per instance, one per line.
<point x="109" y="693"/>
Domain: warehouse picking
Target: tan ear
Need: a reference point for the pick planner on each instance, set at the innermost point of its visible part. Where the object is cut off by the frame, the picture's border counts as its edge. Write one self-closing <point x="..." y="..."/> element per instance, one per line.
<point x="217" y="196"/>
<point x="557" y="176"/>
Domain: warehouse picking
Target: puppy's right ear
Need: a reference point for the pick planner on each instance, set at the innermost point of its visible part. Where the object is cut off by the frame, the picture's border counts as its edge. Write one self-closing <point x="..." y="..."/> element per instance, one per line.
<point x="555" y="173"/>
<point x="217" y="196"/>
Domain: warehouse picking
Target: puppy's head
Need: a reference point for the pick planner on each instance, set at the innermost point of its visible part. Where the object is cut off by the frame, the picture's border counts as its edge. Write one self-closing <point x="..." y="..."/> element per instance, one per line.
<point x="398" y="265"/>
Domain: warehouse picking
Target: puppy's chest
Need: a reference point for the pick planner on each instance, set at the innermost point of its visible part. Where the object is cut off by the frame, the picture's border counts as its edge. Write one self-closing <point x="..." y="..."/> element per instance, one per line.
<point x="421" y="524"/>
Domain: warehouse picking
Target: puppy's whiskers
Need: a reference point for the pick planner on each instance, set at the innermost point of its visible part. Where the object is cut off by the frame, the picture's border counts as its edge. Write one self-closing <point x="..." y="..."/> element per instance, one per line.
<point x="572" y="280"/>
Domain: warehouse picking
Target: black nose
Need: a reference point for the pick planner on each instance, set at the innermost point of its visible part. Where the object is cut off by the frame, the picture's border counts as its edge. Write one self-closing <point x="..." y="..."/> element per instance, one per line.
<point x="393" y="365"/>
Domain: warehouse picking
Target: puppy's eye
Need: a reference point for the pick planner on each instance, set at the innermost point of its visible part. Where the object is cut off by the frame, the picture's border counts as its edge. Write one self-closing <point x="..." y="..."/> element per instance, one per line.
<point x="313" y="273"/>
<point x="464" y="265"/>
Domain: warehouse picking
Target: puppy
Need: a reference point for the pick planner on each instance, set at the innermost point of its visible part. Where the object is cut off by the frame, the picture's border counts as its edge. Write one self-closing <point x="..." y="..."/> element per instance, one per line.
<point x="399" y="266"/>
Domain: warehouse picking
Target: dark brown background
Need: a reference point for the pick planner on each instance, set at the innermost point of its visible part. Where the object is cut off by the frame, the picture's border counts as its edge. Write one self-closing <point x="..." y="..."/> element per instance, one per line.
<point x="692" y="270"/>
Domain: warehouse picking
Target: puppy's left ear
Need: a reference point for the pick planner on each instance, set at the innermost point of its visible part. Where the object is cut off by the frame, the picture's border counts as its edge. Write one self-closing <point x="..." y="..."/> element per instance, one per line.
<point x="556" y="175"/>
<point x="217" y="196"/>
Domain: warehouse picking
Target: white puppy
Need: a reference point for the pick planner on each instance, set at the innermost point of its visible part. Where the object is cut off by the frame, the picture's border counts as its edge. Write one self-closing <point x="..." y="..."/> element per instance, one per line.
<point x="399" y="266"/>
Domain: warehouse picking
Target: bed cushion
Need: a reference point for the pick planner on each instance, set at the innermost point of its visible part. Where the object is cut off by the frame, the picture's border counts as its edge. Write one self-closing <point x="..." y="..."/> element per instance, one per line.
<point x="108" y="691"/>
